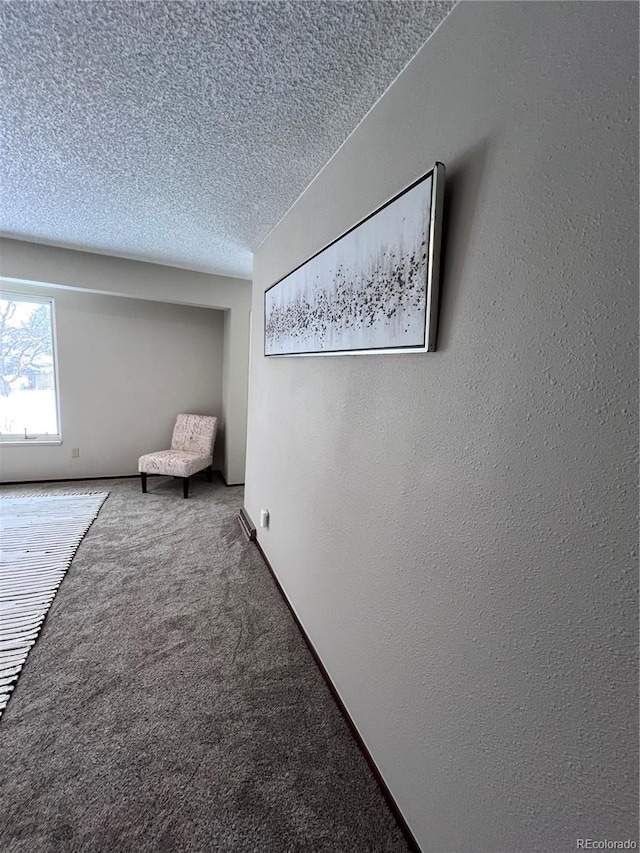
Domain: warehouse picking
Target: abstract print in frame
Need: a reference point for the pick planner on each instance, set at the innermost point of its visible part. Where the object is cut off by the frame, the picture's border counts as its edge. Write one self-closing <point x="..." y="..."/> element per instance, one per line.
<point x="374" y="289"/>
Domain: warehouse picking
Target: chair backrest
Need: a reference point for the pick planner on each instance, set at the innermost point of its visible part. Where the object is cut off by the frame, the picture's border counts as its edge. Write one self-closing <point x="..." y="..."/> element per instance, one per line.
<point x="195" y="433"/>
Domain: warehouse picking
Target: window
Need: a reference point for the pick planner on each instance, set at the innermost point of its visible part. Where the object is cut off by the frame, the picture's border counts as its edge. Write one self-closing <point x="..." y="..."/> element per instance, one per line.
<point x="28" y="382"/>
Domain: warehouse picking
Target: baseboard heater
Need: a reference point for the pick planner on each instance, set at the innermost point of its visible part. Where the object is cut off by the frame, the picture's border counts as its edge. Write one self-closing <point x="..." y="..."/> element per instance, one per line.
<point x="248" y="527"/>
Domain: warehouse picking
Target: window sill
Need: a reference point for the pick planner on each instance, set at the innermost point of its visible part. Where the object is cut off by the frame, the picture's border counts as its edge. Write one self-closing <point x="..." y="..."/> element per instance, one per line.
<point x="26" y="442"/>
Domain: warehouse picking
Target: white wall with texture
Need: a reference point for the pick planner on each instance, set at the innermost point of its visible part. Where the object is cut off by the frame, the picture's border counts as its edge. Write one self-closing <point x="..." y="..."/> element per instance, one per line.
<point x="457" y="530"/>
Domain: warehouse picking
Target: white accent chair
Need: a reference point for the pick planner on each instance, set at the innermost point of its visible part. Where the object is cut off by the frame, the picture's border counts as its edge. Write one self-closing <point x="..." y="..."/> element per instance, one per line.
<point x="191" y="450"/>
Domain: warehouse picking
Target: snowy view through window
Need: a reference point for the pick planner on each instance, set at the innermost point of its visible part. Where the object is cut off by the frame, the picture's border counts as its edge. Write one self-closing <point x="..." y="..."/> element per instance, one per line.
<point x="28" y="405"/>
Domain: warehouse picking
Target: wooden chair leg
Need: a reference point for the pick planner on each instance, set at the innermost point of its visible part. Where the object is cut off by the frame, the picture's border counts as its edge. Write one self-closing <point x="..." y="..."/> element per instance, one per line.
<point x="185" y="487"/>
<point x="143" y="480"/>
<point x="210" y="474"/>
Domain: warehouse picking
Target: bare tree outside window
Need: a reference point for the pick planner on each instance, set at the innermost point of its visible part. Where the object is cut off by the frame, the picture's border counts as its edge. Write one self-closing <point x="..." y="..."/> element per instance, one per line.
<point x="28" y="404"/>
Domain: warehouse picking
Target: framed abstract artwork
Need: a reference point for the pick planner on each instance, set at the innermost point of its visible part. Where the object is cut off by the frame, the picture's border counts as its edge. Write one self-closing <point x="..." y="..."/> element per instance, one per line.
<point x="374" y="289"/>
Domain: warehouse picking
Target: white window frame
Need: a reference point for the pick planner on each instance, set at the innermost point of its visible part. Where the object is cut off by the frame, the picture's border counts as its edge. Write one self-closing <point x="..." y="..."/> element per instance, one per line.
<point x="15" y="439"/>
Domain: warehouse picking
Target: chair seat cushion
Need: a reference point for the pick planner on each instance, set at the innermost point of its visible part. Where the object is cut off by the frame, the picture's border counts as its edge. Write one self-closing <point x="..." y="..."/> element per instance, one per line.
<point x="173" y="463"/>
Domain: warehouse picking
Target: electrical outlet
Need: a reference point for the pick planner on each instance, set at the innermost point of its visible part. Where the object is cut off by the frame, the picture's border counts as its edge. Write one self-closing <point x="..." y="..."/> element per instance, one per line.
<point x="75" y="452"/>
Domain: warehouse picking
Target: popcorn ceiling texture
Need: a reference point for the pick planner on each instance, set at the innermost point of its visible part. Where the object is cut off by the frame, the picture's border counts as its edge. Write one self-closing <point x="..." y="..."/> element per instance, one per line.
<point x="182" y="132"/>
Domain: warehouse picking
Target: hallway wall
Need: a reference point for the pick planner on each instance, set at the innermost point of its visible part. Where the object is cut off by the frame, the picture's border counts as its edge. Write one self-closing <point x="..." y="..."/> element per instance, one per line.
<point x="456" y="530"/>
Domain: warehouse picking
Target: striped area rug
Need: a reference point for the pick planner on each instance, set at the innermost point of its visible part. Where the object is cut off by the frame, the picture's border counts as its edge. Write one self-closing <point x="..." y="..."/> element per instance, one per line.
<point x="39" y="536"/>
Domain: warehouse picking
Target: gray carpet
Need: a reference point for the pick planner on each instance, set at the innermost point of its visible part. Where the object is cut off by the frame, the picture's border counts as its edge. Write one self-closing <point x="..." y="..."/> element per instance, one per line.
<point x="170" y="703"/>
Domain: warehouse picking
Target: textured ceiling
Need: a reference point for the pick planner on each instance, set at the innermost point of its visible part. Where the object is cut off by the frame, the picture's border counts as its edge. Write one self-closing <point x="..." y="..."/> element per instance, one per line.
<point x="181" y="132"/>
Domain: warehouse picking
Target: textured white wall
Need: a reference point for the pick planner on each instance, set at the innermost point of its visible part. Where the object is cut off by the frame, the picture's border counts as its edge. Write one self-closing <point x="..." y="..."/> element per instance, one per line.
<point x="126" y="368"/>
<point x="457" y="531"/>
<point x="85" y="271"/>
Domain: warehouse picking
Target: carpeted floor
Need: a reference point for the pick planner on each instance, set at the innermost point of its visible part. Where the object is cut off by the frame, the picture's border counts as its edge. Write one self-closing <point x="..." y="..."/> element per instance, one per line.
<point x="170" y="703"/>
